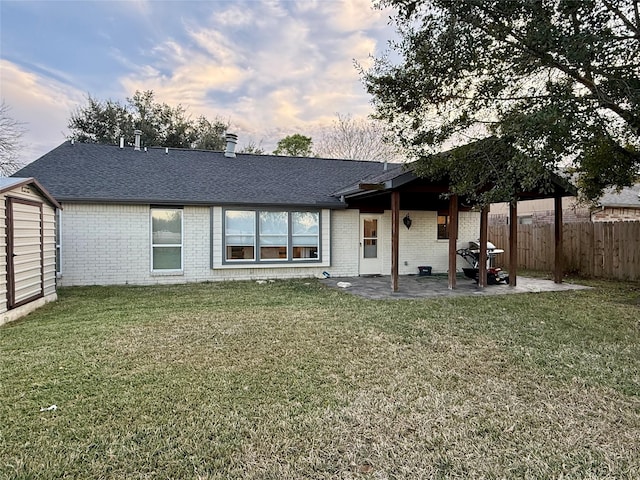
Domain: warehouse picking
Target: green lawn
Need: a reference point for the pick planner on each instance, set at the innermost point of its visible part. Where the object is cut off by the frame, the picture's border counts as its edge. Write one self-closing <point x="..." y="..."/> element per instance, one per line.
<point x="296" y="380"/>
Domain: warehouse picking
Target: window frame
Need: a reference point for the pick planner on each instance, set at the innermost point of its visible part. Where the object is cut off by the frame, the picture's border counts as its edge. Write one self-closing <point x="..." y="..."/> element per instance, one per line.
<point x="166" y="245"/>
<point x="258" y="260"/>
<point x="446" y="225"/>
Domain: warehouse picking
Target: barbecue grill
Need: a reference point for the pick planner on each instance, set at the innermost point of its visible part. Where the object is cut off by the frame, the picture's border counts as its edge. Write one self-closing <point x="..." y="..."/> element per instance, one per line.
<point x="472" y="255"/>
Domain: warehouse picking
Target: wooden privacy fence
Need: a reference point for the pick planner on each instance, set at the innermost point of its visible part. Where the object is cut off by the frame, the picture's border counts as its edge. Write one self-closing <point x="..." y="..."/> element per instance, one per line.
<point x="607" y="249"/>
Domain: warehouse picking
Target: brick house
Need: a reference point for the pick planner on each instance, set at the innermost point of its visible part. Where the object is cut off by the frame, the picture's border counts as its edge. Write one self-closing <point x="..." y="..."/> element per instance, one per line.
<point x="623" y="206"/>
<point x="158" y="215"/>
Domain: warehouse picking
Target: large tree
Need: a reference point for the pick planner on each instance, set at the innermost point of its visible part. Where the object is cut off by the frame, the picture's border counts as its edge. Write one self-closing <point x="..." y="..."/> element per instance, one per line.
<point x="295" y="145"/>
<point x="559" y="79"/>
<point x="356" y="139"/>
<point x="161" y="124"/>
<point x="11" y="132"/>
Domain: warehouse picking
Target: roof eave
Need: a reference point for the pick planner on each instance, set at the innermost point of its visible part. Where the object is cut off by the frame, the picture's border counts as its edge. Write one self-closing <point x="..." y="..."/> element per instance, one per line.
<point x="204" y="203"/>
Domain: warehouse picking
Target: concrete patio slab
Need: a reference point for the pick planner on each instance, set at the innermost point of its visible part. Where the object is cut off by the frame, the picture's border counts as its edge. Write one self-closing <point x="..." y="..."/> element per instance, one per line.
<point x="413" y="286"/>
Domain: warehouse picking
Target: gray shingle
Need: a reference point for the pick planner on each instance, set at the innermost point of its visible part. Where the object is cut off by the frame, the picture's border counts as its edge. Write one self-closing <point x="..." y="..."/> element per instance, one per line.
<point x="628" y="197"/>
<point x="106" y="173"/>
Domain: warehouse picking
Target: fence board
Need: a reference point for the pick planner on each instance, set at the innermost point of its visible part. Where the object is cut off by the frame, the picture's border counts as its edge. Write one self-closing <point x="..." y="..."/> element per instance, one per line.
<point x="603" y="249"/>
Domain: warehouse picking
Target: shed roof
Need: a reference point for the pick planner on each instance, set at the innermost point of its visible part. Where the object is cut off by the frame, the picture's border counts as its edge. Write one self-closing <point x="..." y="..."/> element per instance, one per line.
<point x="9" y="183"/>
<point x="104" y="173"/>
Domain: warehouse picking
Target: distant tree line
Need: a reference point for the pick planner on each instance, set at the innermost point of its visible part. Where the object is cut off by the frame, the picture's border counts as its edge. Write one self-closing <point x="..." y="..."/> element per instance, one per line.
<point x="106" y="121"/>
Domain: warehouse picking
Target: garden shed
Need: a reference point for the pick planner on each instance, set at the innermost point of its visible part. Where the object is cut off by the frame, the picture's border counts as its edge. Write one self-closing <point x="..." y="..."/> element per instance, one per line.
<point x="28" y="254"/>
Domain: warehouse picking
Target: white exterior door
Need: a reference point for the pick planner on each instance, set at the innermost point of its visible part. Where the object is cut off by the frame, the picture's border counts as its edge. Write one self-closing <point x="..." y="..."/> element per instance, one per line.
<point x="370" y="245"/>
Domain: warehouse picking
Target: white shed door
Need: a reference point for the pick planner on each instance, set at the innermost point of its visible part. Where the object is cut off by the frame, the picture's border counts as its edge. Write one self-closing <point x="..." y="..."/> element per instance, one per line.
<point x="24" y="252"/>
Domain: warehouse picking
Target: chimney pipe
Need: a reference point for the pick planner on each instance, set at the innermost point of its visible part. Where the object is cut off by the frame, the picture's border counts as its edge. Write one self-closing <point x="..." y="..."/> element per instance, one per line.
<point x="136" y="145"/>
<point x="232" y="140"/>
<point x="121" y="143"/>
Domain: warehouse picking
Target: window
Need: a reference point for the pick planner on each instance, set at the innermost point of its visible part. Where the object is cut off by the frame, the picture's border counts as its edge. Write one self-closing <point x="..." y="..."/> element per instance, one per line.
<point x="274" y="234"/>
<point x="271" y="236"/>
<point x="166" y="238"/>
<point x="240" y="235"/>
<point x="525" y="219"/>
<point x="443" y="227"/>
<point x="305" y="235"/>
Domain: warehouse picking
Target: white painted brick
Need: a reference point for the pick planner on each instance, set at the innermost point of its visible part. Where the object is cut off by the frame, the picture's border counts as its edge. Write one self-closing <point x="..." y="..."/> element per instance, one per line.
<point x="110" y="244"/>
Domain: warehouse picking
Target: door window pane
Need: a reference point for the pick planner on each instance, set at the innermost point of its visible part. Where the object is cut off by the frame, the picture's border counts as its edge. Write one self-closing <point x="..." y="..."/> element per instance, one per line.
<point x="370" y="248"/>
<point x="370" y="238"/>
<point x="371" y="228"/>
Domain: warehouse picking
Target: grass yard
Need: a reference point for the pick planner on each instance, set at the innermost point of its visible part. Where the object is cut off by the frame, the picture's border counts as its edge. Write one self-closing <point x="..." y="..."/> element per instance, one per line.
<point x="296" y="380"/>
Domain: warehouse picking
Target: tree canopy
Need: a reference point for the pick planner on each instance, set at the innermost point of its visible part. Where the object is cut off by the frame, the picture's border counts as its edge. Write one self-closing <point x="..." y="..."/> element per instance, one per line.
<point x="162" y="125"/>
<point x="295" y="145"/>
<point x="560" y="79"/>
<point x="356" y="139"/>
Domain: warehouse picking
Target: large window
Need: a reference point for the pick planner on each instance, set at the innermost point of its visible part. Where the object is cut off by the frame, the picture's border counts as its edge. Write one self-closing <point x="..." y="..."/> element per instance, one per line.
<point x="166" y="238"/>
<point x="271" y="236"/>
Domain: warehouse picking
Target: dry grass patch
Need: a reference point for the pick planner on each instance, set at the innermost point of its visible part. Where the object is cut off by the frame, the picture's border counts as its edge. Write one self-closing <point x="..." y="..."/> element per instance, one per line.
<point x="293" y="380"/>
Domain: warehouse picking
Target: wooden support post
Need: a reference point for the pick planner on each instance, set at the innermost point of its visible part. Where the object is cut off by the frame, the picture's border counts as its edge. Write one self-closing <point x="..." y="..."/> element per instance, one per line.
<point x="558" y="267"/>
<point x="453" y="239"/>
<point x="482" y="263"/>
<point x="395" y="238"/>
<point x="513" y="243"/>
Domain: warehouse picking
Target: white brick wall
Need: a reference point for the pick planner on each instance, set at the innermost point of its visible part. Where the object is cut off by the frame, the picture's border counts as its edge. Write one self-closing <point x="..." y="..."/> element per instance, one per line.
<point x="420" y="246"/>
<point x="110" y="244"/>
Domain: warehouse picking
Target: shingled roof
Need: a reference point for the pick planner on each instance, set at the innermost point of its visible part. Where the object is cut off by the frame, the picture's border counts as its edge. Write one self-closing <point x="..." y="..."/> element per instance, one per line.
<point x="105" y="173"/>
<point x="628" y="197"/>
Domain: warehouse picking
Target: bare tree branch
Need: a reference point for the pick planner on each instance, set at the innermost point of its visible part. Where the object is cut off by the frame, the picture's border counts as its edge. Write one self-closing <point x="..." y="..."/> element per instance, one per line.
<point x="11" y="132"/>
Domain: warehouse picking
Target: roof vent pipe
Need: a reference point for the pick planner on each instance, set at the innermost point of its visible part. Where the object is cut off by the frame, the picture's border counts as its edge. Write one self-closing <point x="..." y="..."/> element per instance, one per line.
<point x="121" y="143"/>
<point x="166" y="150"/>
<point x="72" y="142"/>
<point x="385" y="167"/>
<point x="232" y="140"/>
<point x="136" y="145"/>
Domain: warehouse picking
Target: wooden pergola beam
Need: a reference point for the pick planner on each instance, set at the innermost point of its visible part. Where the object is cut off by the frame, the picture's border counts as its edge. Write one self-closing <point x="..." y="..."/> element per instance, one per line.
<point x="513" y="243"/>
<point x="482" y="262"/>
<point x="395" y="239"/>
<point x="558" y="260"/>
<point x="453" y="239"/>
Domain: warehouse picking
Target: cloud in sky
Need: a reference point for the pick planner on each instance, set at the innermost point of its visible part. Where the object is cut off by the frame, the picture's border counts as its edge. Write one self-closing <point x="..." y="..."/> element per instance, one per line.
<point x="271" y="68"/>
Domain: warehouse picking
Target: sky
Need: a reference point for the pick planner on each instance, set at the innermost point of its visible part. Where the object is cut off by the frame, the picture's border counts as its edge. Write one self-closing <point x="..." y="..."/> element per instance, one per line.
<point x="271" y="68"/>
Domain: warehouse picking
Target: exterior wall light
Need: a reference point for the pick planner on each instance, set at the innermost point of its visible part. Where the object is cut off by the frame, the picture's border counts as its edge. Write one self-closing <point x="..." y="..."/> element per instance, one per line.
<point x="407" y="221"/>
